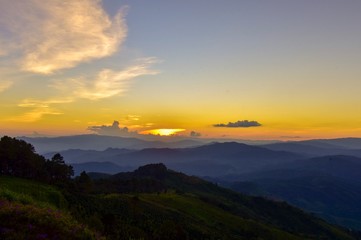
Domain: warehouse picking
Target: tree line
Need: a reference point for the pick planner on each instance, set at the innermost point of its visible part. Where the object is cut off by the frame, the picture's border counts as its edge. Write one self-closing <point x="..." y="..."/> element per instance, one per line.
<point x="18" y="158"/>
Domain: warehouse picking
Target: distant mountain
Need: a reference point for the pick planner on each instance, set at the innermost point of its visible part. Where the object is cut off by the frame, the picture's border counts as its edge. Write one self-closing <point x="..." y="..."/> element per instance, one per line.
<point x="101" y="167"/>
<point x="83" y="156"/>
<point x="320" y="147"/>
<point x="99" y="142"/>
<point x="328" y="186"/>
<point x="208" y="160"/>
<point x="349" y="143"/>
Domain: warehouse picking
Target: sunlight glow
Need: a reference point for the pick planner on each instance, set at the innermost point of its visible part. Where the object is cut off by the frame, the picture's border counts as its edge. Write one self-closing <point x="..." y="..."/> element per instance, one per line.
<point x="164" y="131"/>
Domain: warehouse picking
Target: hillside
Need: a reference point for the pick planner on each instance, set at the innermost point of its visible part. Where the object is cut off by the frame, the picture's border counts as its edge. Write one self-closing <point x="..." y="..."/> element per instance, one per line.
<point x="163" y="204"/>
<point x="326" y="186"/>
<point x="32" y="210"/>
<point x="214" y="211"/>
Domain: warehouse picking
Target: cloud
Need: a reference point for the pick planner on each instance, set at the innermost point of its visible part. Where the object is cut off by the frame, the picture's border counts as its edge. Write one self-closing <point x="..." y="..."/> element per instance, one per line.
<point x="239" y="124"/>
<point x="112" y="130"/>
<point x="195" y="134"/>
<point x="49" y="36"/>
<point x="38" y="108"/>
<point x="5" y="85"/>
<point x="107" y="83"/>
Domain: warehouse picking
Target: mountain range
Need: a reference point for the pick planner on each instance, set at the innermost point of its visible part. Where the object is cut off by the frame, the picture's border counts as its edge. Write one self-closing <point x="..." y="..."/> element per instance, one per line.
<point x="320" y="176"/>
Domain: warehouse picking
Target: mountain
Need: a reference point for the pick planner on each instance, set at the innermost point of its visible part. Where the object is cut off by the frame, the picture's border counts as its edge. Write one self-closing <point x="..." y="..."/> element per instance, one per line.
<point x="320" y="147"/>
<point x="83" y="156"/>
<point x="329" y="187"/>
<point x="221" y="213"/>
<point x="213" y="159"/>
<point x="102" y="167"/>
<point x="98" y="142"/>
<point x="152" y="202"/>
<point x="349" y="143"/>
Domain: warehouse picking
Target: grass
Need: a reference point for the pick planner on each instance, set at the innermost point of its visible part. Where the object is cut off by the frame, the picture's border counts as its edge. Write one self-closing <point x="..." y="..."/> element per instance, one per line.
<point x="31" y="192"/>
<point x="32" y="210"/>
<point x="213" y="219"/>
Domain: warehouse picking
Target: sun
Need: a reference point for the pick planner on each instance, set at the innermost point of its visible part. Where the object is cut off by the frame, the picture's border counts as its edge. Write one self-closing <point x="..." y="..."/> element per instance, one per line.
<point x="164" y="131"/>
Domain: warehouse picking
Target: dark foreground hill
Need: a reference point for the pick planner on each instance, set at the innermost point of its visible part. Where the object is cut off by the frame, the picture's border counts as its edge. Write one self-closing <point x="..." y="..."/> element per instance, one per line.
<point x="196" y="209"/>
<point x="151" y="203"/>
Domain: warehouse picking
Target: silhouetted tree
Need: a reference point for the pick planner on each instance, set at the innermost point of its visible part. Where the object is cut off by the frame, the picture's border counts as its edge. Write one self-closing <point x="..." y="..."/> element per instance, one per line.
<point x="18" y="158"/>
<point x="58" y="170"/>
<point x="84" y="182"/>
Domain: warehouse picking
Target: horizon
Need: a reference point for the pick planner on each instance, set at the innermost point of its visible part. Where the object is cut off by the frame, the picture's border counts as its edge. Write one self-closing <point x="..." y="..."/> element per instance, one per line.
<point x="256" y="71"/>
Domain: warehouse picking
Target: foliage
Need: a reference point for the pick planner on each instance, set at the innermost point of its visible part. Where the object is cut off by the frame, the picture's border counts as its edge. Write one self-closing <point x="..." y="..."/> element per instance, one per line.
<point x="31" y="192"/>
<point x="18" y="158"/>
<point x="23" y="221"/>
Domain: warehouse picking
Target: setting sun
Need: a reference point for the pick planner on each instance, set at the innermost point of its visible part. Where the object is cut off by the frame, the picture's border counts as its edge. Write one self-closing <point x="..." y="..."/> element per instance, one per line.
<point x="164" y="131"/>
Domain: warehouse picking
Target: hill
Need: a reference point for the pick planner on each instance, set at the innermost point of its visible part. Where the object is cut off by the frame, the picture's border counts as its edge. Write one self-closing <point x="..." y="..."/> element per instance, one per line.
<point x="32" y="210"/>
<point x="326" y="186"/>
<point x="154" y="202"/>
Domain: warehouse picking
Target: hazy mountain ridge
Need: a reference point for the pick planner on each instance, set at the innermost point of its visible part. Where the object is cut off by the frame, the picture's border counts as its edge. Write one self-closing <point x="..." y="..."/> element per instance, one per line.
<point x="320" y="147"/>
<point x="100" y="143"/>
<point x="327" y="186"/>
<point x="212" y="159"/>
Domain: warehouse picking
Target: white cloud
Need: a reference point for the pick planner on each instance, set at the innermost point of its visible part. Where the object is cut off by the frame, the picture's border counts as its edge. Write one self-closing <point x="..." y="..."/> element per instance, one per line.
<point x="107" y="83"/>
<point x="58" y="34"/>
<point x="5" y="85"/>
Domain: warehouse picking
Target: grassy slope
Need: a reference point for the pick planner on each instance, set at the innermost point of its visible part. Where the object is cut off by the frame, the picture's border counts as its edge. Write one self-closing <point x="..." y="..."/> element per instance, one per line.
<point x="32" y="210"/>
<point x="31" y="192"/>
<point x="197" y="213"/>
<point x="214" y="220"/>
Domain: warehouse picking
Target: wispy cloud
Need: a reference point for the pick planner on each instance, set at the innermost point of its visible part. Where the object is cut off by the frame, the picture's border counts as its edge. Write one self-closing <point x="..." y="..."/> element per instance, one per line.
<point x="38" y="109"/>
<point x="107" y="83"/>
<point x="5" y="85"/>
<point x="53" y="35"/>
<point x="239" y="124"/>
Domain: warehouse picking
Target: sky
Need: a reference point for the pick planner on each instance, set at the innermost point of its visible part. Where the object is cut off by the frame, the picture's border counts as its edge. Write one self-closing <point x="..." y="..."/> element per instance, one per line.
<point x="260" y="69"/>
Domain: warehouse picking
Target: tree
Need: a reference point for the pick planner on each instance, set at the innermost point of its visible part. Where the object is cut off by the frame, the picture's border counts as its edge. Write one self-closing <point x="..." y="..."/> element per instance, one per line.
<point x="84" y="183"/>
<point x="58" y="170"/>
<point x="18" y="158"/>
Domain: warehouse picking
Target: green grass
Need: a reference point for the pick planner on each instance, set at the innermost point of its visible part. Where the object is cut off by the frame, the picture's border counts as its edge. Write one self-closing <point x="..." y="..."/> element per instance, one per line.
<point x="31" y="192"/>
<point x="213" y="219"/>
<point x="32" y="210"/>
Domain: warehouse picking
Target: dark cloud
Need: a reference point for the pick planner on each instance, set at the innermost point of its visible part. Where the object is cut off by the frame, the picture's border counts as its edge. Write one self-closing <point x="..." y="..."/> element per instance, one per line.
<point x="112" y="130"/>
<point x="195" y="134"/>
<point x="239" y="124"/>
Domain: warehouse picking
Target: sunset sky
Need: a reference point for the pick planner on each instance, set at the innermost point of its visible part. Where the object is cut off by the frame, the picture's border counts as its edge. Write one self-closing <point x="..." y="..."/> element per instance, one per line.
<point x="256" y="69"/>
